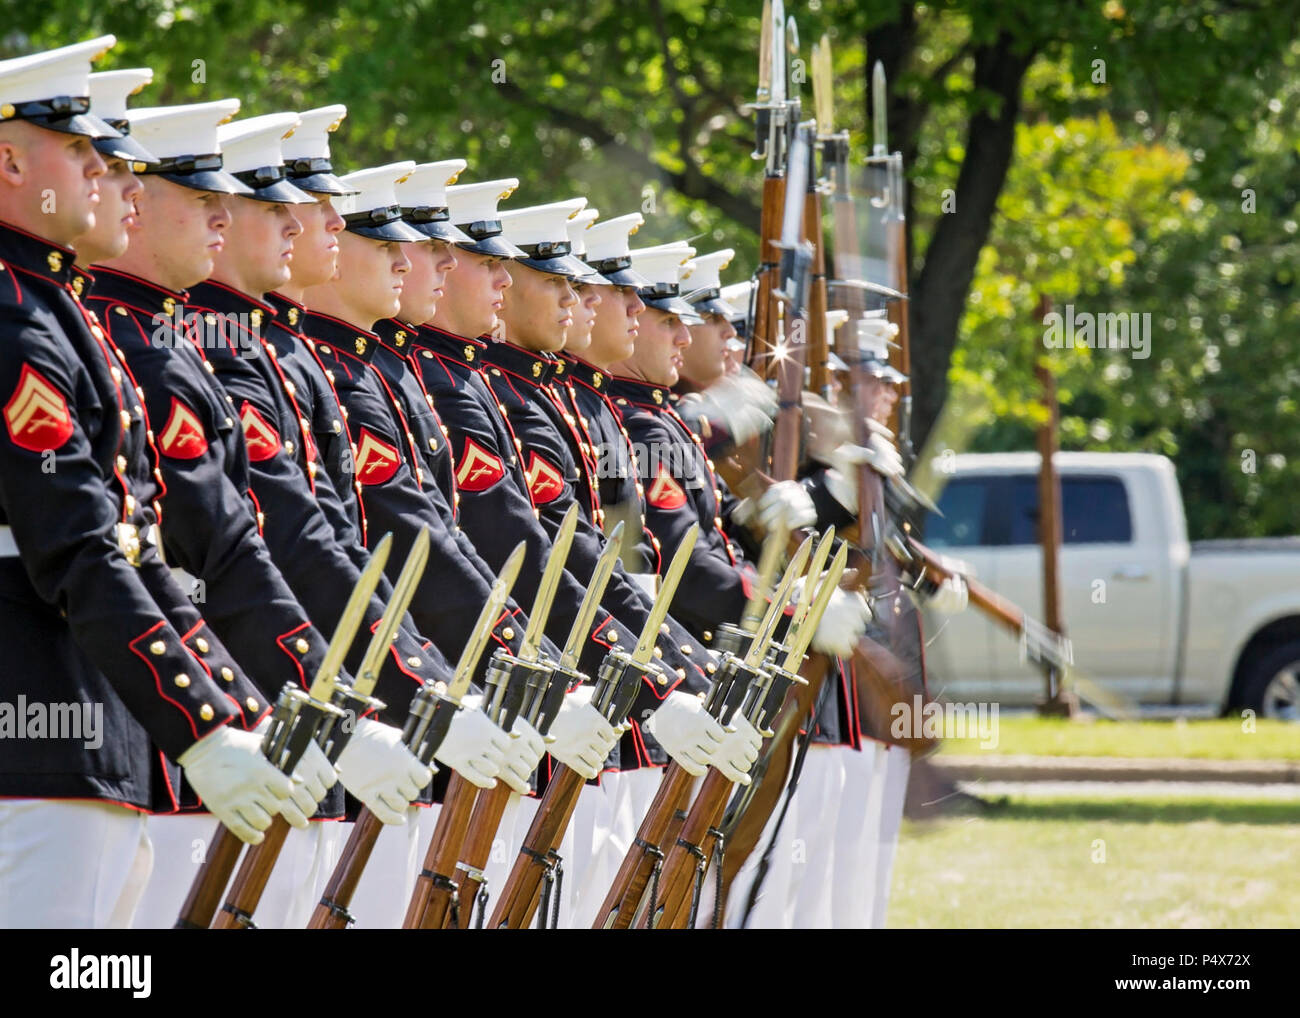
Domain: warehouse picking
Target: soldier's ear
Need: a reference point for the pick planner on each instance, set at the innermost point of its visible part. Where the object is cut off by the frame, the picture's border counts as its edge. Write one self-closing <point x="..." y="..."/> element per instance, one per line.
<point x="13" y="160"/>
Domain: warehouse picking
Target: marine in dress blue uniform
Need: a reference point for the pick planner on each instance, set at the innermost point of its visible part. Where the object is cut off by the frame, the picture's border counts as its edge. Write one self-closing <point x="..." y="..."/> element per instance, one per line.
<point x="94" y="616"/>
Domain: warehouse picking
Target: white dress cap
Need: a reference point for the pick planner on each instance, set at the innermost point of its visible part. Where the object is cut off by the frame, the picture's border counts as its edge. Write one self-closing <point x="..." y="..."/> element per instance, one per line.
<point x="473" y="208"/>
<point x="52" y="89"/>
<point x="184" y="138"/>
<point x="542" y="233"/>
<point x="578" y="227"/>
<point x="372" y="210"/>
<point x="706" y="270"/>
<point x="307" y="151"/>
<point x="109" y="91"/>
<point x="608" y="239"/>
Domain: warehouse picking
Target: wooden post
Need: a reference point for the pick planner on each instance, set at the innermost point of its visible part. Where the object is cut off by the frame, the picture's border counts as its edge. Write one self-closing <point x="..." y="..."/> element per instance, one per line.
<point x="1056" y="701"/>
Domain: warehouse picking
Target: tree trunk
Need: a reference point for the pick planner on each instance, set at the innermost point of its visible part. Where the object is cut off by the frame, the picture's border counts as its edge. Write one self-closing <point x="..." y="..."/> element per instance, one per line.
<point x="940" y="290"/>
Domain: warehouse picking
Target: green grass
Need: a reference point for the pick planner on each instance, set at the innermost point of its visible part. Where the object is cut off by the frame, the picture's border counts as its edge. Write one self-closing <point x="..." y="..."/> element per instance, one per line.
<point x="1031" y="862"/>
<point x="1219" y="739"/>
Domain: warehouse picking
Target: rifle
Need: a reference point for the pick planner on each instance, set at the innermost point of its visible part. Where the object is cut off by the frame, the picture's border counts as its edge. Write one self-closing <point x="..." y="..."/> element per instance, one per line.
<point x="545" y="687"/>
<point x="770" y="131"/>
<point x="752" y="807"/>
<point x="617" y="685"/>
<point x="889" y="182"/>
<point x="732" y="683"/>
<point x="768" y="685"/>
<point x="469" y="659"/>
<point x="355" y="702"/>
<point x="1039" y="644"/>
<point x="512" y="681"/>
<point x="296" y="721"/>
<point x="428" y="720"/>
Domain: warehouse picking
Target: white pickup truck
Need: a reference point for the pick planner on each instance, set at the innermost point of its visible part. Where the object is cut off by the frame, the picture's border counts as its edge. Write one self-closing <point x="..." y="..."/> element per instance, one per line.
<point x="1154" y="618"/>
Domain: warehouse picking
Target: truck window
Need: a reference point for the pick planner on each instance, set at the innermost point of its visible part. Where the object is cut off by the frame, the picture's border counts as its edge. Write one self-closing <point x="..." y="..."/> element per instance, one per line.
<point x="1094" y="510"/>
<point x="962" y="523"/>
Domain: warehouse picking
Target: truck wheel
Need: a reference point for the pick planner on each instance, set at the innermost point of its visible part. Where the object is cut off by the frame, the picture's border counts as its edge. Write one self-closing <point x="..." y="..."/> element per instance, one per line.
<point x="1270" y="685"/>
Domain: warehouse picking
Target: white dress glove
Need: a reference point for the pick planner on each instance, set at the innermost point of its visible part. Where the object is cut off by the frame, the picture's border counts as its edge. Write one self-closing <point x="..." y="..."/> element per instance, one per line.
<point x="951" y="596"/>
<point x="687" y="733"/>
<point x="743" y="403"/>
<point x="846" y="618"/>
<point x="236" y="782"/>
<point x="879" y="453"/>
<point x="474" y="747"/>
<point x="738" y="751"/>
<point x="312" y="778"/>
<point x="786" y="502"/>
<point x="378" y="769"/>
<point x="523" y="754"/>
<point x="580" y="738"/>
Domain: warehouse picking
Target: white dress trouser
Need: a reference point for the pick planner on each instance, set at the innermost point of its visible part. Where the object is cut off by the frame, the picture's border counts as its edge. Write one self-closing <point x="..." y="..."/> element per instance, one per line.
<point x="75" y="864"/>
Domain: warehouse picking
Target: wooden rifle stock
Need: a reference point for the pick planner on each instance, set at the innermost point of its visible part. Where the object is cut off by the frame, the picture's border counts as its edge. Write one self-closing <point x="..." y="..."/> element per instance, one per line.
<point x="772" y="772"/>
<point x="250" y="881"/>
<point x="331" y="911"/>
<point x="483" y="825"/>
<point x="818" y="345"/>
<point x="209" y="884"/>
<point x="517" y="903"/>
<point x="435" y="891"/>
<point x="763" y="343"/>
<point x="624" y="897"/>
<point x="686" y="852"/>
<point x="988" y="601"/>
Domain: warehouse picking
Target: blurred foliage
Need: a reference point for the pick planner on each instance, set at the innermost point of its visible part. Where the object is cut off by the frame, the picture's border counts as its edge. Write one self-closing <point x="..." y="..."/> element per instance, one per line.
<point x="1123" y="195"/>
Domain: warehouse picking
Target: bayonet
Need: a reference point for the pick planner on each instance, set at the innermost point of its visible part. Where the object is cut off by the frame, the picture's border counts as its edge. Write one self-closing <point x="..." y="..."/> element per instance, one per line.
<point x="403" y="593"/>
<point x="815" y="567"/>
<point x="600" y="578"/>
<point x="482" y="631"/>
<point x="645" y="646"/>
<point x="769" y="560"/>
<point x="798" y="641"/>
<point x="879" y="105"/>
<point x="322" y="687"/>
<point x="555" y="563"/>
<point x="763" y="636"/>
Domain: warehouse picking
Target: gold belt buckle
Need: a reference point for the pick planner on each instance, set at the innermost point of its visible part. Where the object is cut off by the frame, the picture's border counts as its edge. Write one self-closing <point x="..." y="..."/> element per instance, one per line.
<point x="128" y="539"/>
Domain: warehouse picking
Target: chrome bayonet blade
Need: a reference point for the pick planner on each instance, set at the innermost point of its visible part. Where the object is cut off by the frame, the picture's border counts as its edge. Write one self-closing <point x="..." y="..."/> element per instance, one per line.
<point x="600" y="577"/>
<point x="799" y="644"/>
<point x="487" y="618"/>
<point x="758" y="647"/>
<point x="815" y="567"/>
<point x="645" y="646"/>
<point x="879" y="103"/>
<point x="823" y="85"/>
<point x="764" y="92"/>
<point x="403" y="593"/>
<point x="768" y="562"/>
<point x="791" y="56"/>
<point x="354" y="612"/>
<point x="778" y="52"/>
<point x="550" y="584"/>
